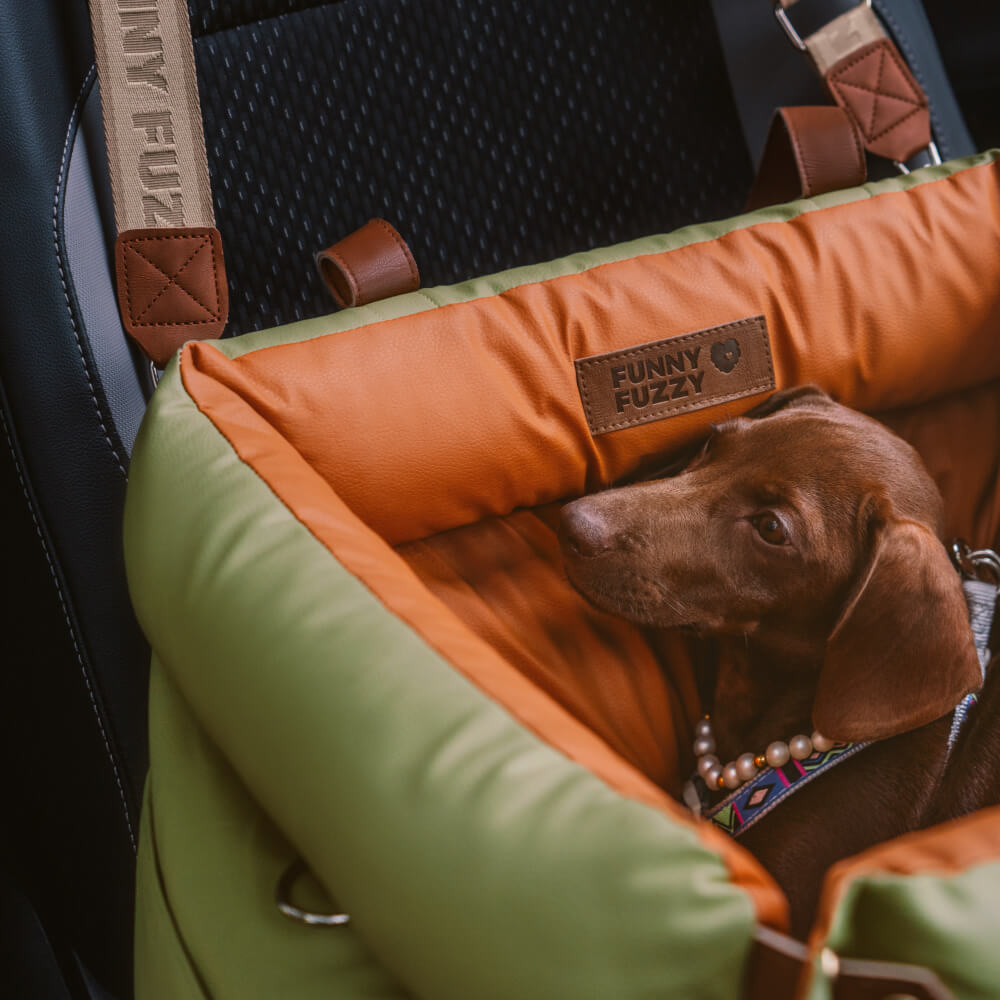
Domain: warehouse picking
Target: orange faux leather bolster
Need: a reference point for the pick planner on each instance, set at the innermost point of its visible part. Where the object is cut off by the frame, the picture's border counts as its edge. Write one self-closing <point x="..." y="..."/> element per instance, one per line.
<point x="171" y="287"/>
<point x="884" y="301"/>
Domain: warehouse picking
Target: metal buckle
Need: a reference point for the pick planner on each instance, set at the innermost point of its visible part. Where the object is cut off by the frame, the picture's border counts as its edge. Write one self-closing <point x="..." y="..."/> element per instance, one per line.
<point x="929" y="155"/>
<point x="293" y="912"/>
<point x="974" y="563"/>
<point x="789" y="29"/>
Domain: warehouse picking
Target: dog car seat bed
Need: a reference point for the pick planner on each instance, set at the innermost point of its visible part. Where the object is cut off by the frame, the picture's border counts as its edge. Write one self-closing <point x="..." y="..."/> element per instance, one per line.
<point x="340" y="543"/>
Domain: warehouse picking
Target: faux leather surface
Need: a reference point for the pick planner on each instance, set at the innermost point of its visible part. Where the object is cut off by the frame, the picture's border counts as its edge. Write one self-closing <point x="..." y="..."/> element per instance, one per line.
<point x="655" y="381"/>
<point x="73" y="730"/>
<point x="89" y="227"/>
<point x="355" y="675"/>
<point x="876" y="88"/>
<point x="454" y="836"/>
<point x="810" y="150"/>
<point x="171" y="286"/>
<point x="371" y="263"/>
<point x="476" y="363"/>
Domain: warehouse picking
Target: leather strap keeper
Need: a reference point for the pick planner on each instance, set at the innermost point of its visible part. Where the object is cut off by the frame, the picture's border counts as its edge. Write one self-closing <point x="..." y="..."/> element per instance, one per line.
<point x="876" y="88"/>
<point x="171" y="287"/>
<point x="371" y="263"/>
<point x="809" y="151"/>
<point x="780" y="968"/>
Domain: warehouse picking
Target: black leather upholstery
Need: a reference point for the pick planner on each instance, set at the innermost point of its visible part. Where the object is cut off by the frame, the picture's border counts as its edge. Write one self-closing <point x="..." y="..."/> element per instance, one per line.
<point x="73" y="678"/>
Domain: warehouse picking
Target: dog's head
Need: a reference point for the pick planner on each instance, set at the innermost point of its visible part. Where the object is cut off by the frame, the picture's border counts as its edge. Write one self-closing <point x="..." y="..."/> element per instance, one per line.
<point x="810" y="527"/>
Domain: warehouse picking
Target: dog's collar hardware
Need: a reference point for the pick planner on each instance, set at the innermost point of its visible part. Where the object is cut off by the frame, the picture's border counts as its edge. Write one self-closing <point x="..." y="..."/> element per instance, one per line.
<point x="980" y="573"/>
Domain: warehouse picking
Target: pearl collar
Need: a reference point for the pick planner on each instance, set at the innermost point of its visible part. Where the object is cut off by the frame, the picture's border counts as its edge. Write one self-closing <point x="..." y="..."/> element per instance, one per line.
<point x="744" y="768"/>
<point x="778" y="772"/>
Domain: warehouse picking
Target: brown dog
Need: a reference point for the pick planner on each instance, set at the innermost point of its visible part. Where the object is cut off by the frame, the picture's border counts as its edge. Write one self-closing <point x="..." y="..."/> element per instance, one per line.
<point x="805" y="537"/>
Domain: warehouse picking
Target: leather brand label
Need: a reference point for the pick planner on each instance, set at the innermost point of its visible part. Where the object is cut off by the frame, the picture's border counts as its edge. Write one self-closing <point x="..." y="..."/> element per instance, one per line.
<point x="658" y="380"/>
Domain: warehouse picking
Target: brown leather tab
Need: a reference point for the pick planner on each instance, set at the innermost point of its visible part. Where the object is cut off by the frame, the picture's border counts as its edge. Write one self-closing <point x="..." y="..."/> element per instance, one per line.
<point x="774" y="967"/>
<point x="171" y="287"/>
<point x="876" y="88"/>
<point x="809" y="151"/>
<point x="675" y="375"/>
<point x="779" y="968"/>
<point x="861" y="979"/>
<point x="372" y="263"/>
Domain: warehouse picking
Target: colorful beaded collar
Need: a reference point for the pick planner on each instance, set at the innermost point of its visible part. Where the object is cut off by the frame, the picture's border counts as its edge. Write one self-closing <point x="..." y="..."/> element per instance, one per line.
<point x="782" y="769"/>
<point x="758" y="782"/>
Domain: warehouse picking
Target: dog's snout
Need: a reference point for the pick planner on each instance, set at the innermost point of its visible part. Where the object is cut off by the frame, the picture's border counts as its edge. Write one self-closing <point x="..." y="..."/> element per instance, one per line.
<point x="585" y="531"/>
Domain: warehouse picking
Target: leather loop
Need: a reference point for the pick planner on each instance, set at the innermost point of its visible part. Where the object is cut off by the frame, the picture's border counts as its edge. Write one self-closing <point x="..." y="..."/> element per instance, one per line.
<point x="876" y="88"/>
<point x="809" y="151"/>
<point x="780" y="968"/>
<point x="774" y="967"/>
<point x="371" y="263"/>
<point x="171" y="287"/>
<point x="860" y="979"/>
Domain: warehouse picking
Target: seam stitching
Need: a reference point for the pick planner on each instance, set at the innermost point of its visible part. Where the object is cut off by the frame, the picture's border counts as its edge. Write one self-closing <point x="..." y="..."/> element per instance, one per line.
<point x="69" y="625"/>
<point x="63" y="165"/>
<point x="582" y="364"/>
<point x="70" y="129"/>
<point x="132" y="245"/>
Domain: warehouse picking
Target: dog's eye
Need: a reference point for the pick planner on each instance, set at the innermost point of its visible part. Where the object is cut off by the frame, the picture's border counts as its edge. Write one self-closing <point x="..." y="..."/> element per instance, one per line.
<point x="770" y="528"/>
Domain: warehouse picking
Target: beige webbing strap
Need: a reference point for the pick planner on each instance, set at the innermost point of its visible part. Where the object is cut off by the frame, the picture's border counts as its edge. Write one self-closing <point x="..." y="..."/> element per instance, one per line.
<point x="842" y="36"/>
<point x="168" y="255"/>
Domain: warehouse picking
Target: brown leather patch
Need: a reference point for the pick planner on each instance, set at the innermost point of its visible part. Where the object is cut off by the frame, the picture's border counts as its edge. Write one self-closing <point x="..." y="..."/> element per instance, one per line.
<point x="171" y="287"/>
<point x="676" y="375"/>
<point x="876" y="88"/>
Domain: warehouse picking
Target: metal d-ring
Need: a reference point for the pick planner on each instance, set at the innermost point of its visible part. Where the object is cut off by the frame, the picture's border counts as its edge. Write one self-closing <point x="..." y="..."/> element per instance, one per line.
<point x="972" y="563"/>
<point x="282" y="895"/>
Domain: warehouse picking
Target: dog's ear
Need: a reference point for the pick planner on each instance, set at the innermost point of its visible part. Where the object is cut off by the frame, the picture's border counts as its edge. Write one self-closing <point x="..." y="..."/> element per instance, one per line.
<point x="902" y="653"/>
<point x="783" y="399"/>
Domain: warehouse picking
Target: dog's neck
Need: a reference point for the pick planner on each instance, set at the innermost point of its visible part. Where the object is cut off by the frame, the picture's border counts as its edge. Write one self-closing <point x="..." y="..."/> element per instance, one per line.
<point x="762" y="694"/>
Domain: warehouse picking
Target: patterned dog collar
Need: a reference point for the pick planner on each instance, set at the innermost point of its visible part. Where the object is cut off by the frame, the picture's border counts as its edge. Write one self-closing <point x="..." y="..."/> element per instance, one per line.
<point x="739" y="810"/>
<point x="743" y="807"/>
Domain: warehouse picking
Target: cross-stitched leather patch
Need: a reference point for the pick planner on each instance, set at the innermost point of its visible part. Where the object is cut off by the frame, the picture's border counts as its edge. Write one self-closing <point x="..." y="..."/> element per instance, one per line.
<point x="171" y="287"/>
<point x="876" y="88"/>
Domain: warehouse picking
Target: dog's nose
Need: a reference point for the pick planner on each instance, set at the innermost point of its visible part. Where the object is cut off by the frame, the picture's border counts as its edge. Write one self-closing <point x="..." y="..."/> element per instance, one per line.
<point x="584" y="531"/>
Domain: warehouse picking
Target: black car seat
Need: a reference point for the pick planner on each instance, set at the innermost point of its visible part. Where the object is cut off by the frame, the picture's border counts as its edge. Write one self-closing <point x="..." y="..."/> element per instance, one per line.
<point x="490" y="133"/>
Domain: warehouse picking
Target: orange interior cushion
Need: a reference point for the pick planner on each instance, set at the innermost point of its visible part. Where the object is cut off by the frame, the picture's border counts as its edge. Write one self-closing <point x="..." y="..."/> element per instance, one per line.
<point x="454" y="451"/>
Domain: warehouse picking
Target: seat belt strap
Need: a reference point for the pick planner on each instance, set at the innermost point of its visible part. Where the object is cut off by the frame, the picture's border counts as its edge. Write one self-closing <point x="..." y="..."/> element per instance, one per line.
<point x="169" y="265"/>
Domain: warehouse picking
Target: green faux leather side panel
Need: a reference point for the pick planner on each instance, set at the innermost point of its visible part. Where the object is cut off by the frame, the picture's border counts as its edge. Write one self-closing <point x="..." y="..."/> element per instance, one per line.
<point x="496" y="284"/>
<point x="474" y="859"/>
<point x="949" y="923"/>
<point x="209" y="863"/>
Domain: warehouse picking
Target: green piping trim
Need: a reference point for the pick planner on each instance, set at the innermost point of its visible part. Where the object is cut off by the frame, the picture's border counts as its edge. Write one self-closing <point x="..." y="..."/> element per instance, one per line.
<point x="505" y="281"/>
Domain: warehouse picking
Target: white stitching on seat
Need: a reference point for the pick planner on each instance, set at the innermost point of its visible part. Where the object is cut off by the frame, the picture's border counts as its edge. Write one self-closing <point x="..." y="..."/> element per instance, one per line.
<point x="70" y="130"/>
<point x="69" y="625"/>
